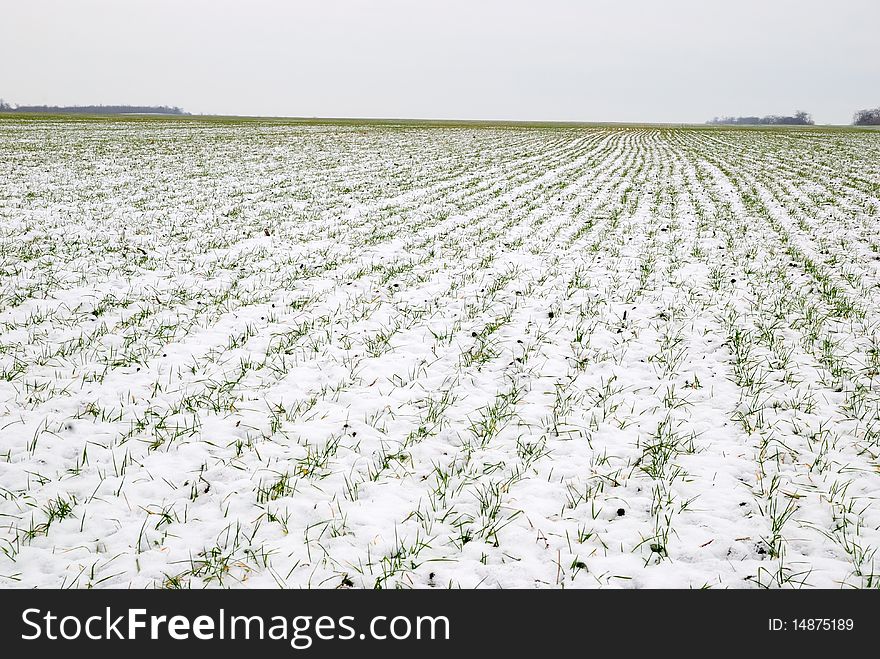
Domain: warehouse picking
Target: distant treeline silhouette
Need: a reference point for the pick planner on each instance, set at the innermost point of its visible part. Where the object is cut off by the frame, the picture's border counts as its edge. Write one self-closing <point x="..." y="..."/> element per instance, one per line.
<point x="867" y="117"/>
<point x="91" y="109"/>
<point x="798" y="119"/>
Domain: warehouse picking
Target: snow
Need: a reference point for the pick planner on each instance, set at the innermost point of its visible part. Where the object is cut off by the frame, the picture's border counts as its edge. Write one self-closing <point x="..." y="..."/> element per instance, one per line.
<point x="268" y="354"/>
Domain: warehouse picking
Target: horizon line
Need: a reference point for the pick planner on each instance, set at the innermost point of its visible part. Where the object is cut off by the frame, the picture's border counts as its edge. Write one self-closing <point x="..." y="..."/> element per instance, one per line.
<point x="413" y="120"/>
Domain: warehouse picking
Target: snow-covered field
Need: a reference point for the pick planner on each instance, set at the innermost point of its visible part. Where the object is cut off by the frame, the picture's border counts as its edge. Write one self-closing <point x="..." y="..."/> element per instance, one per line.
<point x="259" y="354"/>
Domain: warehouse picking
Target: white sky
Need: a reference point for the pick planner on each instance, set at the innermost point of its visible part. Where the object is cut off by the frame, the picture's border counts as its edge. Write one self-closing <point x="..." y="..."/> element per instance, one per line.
<point x="589" y="60"/>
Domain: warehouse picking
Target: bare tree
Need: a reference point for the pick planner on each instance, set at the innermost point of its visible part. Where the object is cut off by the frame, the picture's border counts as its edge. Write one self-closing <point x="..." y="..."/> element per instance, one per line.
<point x="867" y="117"/>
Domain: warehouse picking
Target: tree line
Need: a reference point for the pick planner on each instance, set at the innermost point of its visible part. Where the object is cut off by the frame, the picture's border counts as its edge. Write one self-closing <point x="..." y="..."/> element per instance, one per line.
<point x="797" y="119"/>
<point x="91" y="109"/>
<point x="869" y="117"/>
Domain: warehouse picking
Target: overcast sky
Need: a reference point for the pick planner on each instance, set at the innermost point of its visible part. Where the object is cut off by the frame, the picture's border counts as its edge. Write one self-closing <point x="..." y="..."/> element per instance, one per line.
<point x="587" y="60"/>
